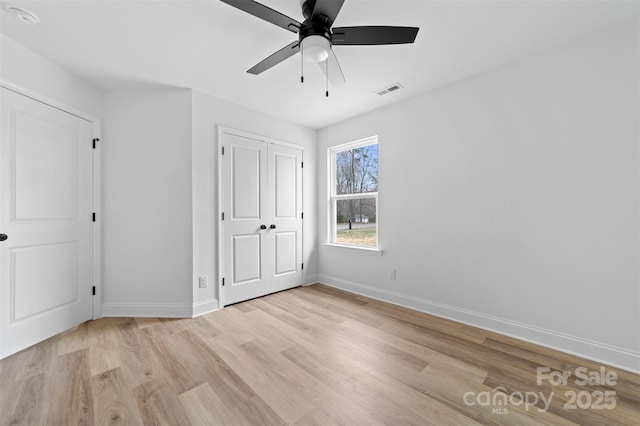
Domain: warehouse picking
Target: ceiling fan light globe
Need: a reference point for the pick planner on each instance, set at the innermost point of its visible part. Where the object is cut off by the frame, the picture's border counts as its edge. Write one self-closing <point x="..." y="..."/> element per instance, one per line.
<point x="315" y="48"/>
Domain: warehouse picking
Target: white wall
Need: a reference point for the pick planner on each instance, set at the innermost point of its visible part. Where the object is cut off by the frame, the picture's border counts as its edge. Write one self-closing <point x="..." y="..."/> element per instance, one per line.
<point x="21" y="66"/>
<point x="510" y="200"/>
<point x="208" y="114"/>
<point x="147" y="202"/>
<point x="160" y="191"/>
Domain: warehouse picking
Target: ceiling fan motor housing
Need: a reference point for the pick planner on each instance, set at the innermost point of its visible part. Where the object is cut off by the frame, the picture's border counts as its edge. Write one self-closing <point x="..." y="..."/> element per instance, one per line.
<point x="310" y="28"/>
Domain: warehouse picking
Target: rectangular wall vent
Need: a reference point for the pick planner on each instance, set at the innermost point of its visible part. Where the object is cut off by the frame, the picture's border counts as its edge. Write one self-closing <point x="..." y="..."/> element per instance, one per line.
<point x="389" y="89"/>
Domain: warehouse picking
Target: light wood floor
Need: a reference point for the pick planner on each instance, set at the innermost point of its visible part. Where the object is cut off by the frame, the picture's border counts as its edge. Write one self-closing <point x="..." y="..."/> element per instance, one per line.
<point x="312" y="355"/>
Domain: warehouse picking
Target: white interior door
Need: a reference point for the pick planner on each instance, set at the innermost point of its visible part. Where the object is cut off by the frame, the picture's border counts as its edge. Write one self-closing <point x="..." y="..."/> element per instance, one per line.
<point x="244" y="197"/>
<point x="262" y="229"/>
<point x="285" y="228"/>
<point x="46" y="261"/>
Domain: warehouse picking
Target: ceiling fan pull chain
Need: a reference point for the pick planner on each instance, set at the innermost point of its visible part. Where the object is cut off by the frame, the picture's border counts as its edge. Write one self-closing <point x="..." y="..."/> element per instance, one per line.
<point x="326" y="75"/>
<point x="326" y="81"/>
<point x="302" y="65"/>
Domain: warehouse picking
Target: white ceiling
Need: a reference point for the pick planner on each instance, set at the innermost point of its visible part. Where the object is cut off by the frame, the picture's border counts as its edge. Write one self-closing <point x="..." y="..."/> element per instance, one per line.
<point x="207" y="45"/>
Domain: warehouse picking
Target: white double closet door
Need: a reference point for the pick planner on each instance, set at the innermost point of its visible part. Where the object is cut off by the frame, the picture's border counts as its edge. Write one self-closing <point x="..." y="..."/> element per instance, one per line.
<point x="261" y="200"/>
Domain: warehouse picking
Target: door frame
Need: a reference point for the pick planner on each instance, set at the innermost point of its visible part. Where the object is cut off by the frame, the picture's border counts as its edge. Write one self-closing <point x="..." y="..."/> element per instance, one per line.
<point x="97" y="181"/>
<point x="220" y="258"/>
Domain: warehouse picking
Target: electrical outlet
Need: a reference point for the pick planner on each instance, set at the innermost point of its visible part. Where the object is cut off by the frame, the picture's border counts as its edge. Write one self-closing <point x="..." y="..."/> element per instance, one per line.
<point x="392" y="274"/>
<point x="203" y="281"/>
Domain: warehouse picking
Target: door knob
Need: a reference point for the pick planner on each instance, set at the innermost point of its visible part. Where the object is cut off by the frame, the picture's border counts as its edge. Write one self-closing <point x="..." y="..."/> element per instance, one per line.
<point x="272" y="226"/>
<point x="3" y="237"/>
<point x="263" y="226"/>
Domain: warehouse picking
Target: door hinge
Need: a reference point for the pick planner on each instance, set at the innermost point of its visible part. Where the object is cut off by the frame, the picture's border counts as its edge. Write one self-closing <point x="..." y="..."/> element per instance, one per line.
<point x="302" y="164"/>
<point x="94" y="216"/>
<point x="93" y="291"/>
<point x="223" y="150"/>
<point x="302" y="267"/>
<point x="95" y="140"/>
<point x="223" y="282"/>
<point x="222" y="215"/>
<point x="301" y="215"/>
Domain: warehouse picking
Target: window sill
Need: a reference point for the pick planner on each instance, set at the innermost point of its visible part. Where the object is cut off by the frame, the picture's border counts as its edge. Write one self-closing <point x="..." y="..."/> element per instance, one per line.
<point x="355" y="249"/>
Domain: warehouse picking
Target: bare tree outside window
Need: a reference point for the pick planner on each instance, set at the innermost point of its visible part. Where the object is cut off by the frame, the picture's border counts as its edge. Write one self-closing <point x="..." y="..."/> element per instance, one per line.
<point x="355" y="194"/>
<point x="357" y="170"/>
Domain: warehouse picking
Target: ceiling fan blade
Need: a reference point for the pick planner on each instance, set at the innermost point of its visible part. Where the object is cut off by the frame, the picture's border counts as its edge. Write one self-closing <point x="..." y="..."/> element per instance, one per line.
<point x="327" y="8"/>
<point x="331" y="68"/>
<point x="263" y="12"/>
<point x="272" y="60"/>
<point x="350" y="36"/>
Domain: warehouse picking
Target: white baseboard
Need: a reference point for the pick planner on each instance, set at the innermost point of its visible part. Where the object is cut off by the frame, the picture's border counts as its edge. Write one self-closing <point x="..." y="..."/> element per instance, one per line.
<point x="205" y="307"/>
<point x="310" y="280"/>
<point x="600" y="352"/>
<point x="159" y="310"/>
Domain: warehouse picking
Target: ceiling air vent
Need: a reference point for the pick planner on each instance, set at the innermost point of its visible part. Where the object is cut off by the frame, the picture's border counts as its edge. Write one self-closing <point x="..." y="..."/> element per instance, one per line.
<point x="389" y="89"/>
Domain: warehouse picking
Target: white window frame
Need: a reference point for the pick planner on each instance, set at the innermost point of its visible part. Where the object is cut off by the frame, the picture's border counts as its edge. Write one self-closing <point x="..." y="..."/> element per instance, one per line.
<point x="333" y="197"/>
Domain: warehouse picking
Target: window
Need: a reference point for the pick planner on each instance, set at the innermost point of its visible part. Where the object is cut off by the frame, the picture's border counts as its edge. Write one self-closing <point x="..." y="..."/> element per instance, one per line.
<point x="354" y="193"/>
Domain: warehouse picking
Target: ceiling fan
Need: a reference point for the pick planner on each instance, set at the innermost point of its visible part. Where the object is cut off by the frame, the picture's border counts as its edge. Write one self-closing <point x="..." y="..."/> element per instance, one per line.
<point x="316" y="35"/>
